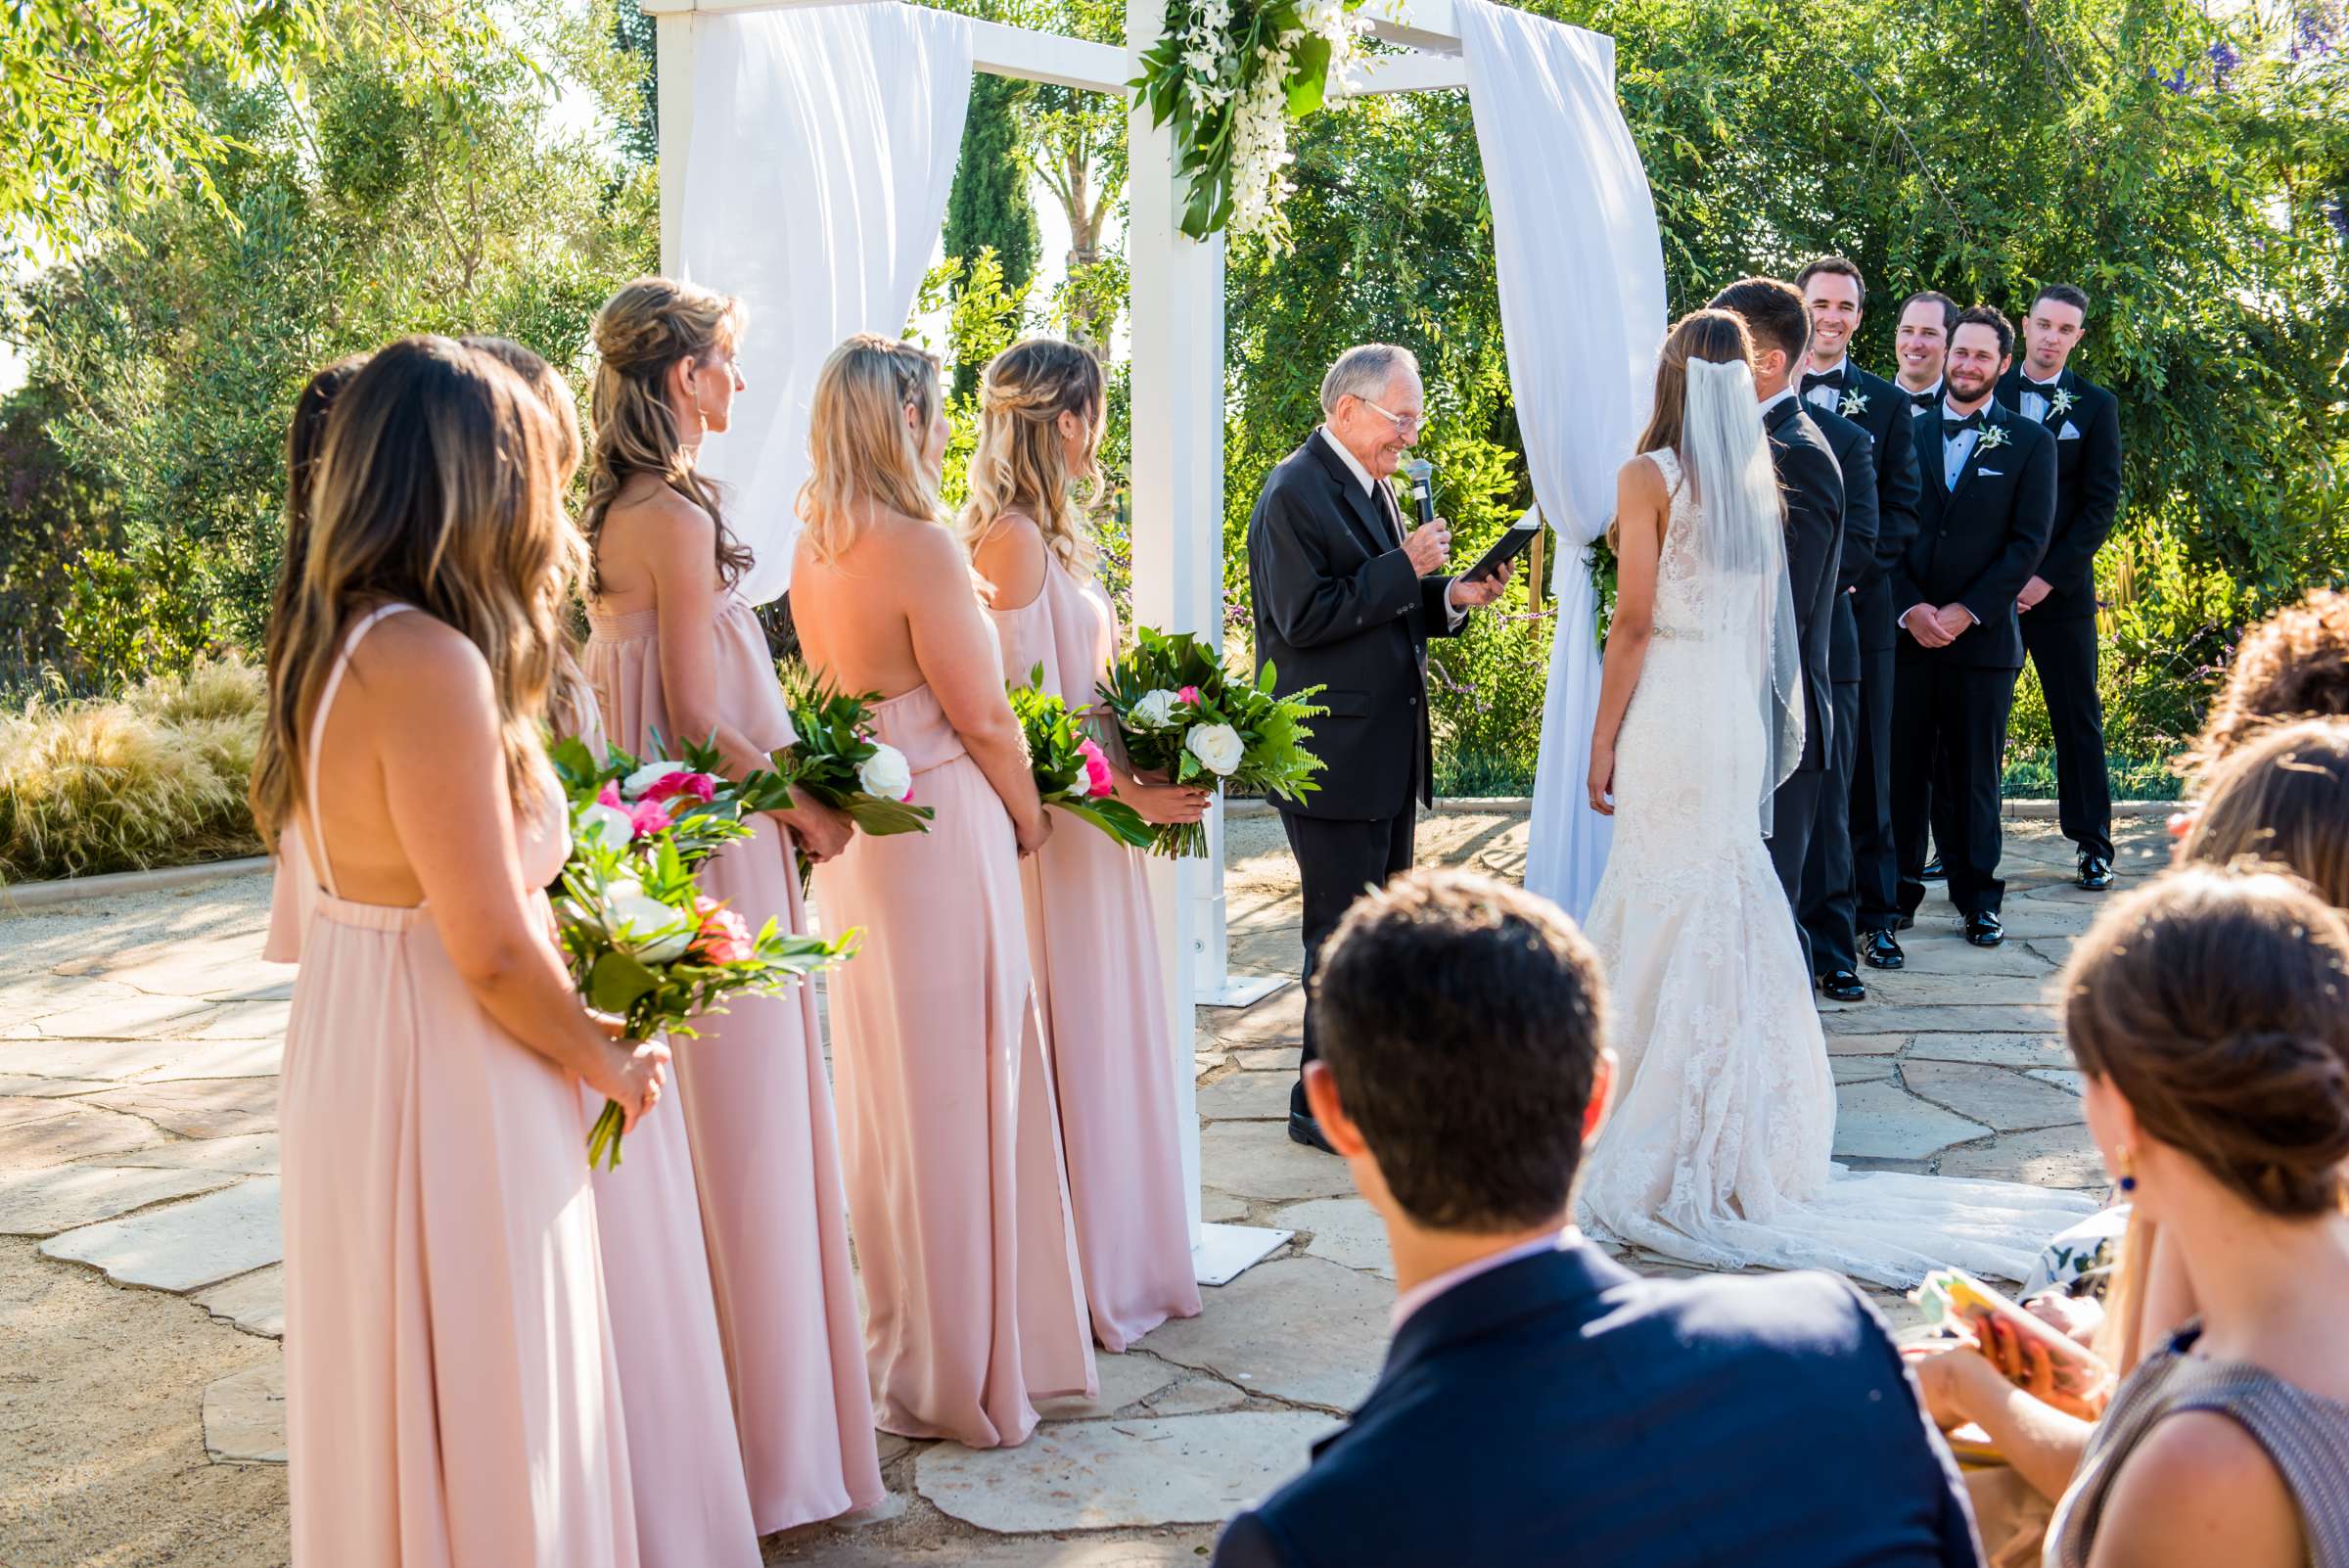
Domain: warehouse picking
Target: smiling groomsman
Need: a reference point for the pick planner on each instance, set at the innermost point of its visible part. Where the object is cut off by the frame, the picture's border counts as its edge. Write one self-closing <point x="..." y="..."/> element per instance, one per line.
<point x="1850" y="875"/>
<point x="1989" y="505"/>
<point x="2058" y="604"/>
<point x="1920" y="341"/>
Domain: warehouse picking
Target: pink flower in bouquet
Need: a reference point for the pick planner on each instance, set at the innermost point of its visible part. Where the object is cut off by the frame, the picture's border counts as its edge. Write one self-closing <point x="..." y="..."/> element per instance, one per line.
<point x="1096" y="769"/>
<point x="648" y="816"/>
<point x="1188" y="694"/>
<point x="695" y="786"/>
<point x="609" y="795"/>
<point x="724" y="936"/>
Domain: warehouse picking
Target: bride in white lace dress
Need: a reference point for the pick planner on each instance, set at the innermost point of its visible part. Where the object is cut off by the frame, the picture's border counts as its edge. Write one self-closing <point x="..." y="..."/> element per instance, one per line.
<point x="1718" y="1150"/>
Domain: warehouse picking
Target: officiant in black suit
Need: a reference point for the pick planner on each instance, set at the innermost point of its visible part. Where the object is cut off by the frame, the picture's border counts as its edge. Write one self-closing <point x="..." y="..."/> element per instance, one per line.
<point x="2058" y="605"/>
<point x="1812" y="482"/>
<point x="1849" y="880"/>
<point x="1989" y="505"/>
<point x="1346" y="598"/>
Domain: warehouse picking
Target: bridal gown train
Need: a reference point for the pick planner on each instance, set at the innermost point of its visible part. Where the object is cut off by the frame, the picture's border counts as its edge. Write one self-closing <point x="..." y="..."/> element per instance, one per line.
<point x="1717" y="1151"/>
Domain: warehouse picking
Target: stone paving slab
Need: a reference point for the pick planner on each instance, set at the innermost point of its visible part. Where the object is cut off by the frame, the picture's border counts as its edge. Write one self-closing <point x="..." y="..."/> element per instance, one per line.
<point x="47" y="1200"/>
<point x="1903" y="1018"/>
<point x="1994" y="1095"/>
<point x="185" y="1246"/>
<point x="113" y="1060"/>
<point x="1344" y="1230"/>
<point x="244" y="1417"/>
<point x="256" y="1303"/>
<point x="1995" y="1051"/>
<point x="1102" y="1475"/>
<point x="2052" y="1157"/>
<point x="218" y="1057"/>
<point x="1252" y="1161"/>
<point x="1882" y="1121"/>
<point x="1248" y="1097"/>
<point x="247" y="1154"/>
<point x="136" y="1017"/>
<point x="1299" y="1329"/>
<point x="1125" y="1380"/>
<point x="200" y="1108"/>
<point x="1865" y="1044"/>
<point x="83" y="1130"/>
<point x="27" y="1084"/>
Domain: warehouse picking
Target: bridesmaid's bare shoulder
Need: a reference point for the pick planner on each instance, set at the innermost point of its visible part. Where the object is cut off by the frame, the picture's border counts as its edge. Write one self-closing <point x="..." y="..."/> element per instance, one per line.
<point x="1009" y="559"/>
<point x="657" y="517"/>
<point x="420" y="666"/>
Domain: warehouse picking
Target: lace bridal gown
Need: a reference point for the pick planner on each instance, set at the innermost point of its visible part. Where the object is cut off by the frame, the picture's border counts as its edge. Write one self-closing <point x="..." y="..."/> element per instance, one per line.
<point x="1718" y="1150"/>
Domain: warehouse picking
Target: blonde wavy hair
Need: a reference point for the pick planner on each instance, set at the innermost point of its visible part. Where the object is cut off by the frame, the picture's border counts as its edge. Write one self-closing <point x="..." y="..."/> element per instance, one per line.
<point x="866" y="457"/>
<point x="642" y="331"/>
<point x="437" y="487"/>
<point x="1021" y="464"/>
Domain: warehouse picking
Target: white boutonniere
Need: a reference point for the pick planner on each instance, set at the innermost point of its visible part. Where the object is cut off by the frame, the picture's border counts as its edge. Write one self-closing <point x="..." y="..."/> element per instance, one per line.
<point x="1854" y="404"/>
<point x="2062" y="403"/>
<point x="1993" y="438"/>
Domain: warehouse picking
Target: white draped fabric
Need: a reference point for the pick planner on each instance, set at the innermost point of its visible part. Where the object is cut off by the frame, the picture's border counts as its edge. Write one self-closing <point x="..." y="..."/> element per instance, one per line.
<point x="823" y="146"/>
<point x="1582" y="304"/>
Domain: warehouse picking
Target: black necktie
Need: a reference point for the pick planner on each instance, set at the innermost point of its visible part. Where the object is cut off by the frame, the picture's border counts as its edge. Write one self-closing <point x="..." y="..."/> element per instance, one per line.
<point x="1833" y="378"/>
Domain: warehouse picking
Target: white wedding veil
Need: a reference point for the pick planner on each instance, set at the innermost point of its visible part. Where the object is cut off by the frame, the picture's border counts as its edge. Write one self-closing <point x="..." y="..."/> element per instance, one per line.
<point x="1741" y="551"/>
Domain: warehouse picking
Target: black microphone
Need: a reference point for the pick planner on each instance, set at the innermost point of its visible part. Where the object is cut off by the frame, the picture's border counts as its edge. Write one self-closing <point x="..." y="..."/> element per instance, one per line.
<point x="1422" y="492"/>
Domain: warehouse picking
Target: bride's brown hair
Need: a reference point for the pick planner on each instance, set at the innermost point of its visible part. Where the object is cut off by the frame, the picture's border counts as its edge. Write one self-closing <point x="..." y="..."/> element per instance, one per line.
<point x="1718" y="336"/>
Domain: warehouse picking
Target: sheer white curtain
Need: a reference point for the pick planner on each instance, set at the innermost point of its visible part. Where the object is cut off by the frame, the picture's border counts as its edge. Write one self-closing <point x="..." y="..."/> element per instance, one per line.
<point x="823" y="144"/>
<point x="1582" y="304"/>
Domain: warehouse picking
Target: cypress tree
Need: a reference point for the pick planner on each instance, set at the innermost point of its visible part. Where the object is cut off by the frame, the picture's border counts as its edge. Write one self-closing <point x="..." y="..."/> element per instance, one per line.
<point x="989" y="203"/>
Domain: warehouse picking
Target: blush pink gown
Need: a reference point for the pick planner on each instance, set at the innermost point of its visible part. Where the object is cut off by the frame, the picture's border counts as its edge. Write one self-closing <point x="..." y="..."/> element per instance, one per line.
<point x="1093" y="946"/>
<point x="450" y="1390"/>
<point x="974" y="1304"/>
<point x="759" y="1115"/>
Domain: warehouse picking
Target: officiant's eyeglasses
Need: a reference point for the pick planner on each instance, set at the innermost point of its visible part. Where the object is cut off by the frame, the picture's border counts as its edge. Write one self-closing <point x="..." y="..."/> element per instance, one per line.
<point x="1406" y="425"/>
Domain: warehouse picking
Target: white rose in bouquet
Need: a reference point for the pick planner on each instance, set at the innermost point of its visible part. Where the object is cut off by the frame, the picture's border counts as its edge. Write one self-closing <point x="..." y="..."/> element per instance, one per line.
<point x="885" y="773"/>
<point x="1218" y="746"/>
<point x="650" y="774"/>
<point x="656" y="932"/>
<point x="606" y="825"/>
<point x="1155" y="710"/>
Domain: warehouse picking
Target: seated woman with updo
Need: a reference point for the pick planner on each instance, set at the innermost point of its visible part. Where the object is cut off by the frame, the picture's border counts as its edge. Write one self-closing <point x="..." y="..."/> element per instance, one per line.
<point x="2209" y="1015"/>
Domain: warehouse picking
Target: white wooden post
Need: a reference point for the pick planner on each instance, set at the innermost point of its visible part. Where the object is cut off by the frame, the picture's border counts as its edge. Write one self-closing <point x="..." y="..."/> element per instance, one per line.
<point x="1178" y="414"/>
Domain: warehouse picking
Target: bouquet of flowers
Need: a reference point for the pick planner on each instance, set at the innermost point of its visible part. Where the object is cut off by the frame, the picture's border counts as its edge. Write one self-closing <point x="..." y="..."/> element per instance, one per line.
<point x="836" y="760"/>
<point x="1071" y="772"/>
<point x="625" y="797"/>
<point x="1186" y="721"/>
<point x="642" y="941"/>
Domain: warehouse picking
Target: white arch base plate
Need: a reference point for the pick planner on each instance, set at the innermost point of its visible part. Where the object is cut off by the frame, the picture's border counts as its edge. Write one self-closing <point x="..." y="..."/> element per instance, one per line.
<point x="1223" y="1252"/>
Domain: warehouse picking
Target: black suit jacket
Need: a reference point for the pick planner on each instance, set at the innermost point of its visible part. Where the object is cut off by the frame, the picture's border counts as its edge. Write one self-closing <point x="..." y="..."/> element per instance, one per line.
<point x="1813" y="488"/>
<point x="2088" y="487"/>
<point x="1889" y="417"/>
<point x="1854" y="457"/>
<point x="1561" y="1412"/>
<point x="1339" y="606"/>
<point x="1977" y="544"/>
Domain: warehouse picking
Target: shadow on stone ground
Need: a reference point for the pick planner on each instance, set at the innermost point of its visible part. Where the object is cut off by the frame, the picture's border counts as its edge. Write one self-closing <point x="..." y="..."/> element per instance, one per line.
<point x="139" y="1280"/>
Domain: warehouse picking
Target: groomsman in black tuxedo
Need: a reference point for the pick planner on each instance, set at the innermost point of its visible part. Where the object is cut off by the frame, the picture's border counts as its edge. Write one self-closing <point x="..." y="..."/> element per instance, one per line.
<point x="1988" y="507"/>
<point x="1773" y="315"/>
<point x="1920" y="341"/>
<point x="1851" y="858"/>
<point x="1346" y="599"/>
<point x="2058" y="604"/>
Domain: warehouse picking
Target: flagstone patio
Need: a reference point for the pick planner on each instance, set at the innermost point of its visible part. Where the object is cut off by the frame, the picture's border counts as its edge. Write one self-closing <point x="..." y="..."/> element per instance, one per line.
<point x="139" y="1255"/>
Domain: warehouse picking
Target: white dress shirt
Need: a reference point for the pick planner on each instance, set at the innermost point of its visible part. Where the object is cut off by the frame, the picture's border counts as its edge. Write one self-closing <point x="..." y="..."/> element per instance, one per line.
<point x="2036" y="395"/>
<point x="1954" y="449"/>
<point x="1370" y="487"/>
<point x="1829" y="398"/>
<point x="1775" y="398"/>
<point x="1428" y="1290"/>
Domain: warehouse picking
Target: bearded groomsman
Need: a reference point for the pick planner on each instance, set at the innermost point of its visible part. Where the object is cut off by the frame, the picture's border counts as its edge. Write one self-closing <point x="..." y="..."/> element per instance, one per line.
<point x="1988" y="507"/>
<point x="1773" y="315"/>
<point x="2058" y="604"/>
<point x="1850" y="864"/>
<point x="1920" y="342"/>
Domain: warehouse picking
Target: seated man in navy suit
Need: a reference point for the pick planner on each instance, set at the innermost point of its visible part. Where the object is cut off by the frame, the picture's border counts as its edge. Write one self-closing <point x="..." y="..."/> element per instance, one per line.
<point x="1542" y="1404"/>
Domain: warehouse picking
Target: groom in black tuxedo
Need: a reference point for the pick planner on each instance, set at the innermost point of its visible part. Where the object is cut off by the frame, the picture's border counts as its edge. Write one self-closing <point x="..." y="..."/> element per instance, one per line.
<point x="1989" y="504"/>
<point x="2058" y="605"/>
<point x="1773" y="315"/>
<point x="1346" y="598"/>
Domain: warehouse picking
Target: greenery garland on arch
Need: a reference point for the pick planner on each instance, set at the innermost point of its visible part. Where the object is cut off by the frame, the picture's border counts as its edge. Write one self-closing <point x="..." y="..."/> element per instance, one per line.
<point x="1231" y="74"/>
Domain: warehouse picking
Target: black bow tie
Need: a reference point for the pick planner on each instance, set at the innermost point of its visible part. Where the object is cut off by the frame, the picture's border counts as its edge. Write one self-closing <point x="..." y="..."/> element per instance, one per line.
<point x="1921" y="401"/>
<point x="1951" y="428"/>
<point x="1833" y="378"/>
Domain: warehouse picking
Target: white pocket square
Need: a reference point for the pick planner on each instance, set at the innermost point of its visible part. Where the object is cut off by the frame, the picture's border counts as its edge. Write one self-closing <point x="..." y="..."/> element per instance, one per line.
<point x="1990" y="473"/>
<point x="2069" y="432"/>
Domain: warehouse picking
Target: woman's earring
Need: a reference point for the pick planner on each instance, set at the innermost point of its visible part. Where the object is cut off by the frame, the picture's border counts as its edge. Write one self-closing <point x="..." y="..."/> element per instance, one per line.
<point x="2128" y="1175"/>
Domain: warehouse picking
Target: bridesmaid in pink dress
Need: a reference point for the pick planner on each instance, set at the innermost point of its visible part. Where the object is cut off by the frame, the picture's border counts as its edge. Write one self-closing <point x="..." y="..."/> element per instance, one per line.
<point x="672" y="650"/>
<point x="451" y="1390"/>
<point x="1091" y="939"/>
<point x="693" y="1501"/>
<point x="974" y="1304"/>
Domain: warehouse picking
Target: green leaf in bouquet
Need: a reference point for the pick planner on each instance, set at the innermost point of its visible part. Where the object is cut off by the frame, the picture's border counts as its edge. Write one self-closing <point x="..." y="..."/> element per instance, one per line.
<point x="574" y="764"/>
<point x="882" y="818"/>
<point x="1113" y="818"/>
<point x="619" y="982"/>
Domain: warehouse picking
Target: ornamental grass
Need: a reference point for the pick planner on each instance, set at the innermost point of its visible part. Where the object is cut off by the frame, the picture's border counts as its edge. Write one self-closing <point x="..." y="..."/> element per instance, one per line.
<point x="153" y="777"/>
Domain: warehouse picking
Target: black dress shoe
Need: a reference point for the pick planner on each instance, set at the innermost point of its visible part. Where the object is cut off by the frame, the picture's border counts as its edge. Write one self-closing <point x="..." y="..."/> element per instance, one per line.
<point x="2096" y="873"/>
<point x="1841" y="984"/>
<point x="1983" y="930"/>
<point x="1879" y="950"/>
<point x="1932" y="871"/>
<point x="1303" y="1128"/>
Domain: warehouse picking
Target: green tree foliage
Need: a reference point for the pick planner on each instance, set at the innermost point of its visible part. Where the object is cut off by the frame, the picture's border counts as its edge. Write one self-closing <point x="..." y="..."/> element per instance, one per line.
<point x="987" y="210"/>
<point x="163" y="362"/>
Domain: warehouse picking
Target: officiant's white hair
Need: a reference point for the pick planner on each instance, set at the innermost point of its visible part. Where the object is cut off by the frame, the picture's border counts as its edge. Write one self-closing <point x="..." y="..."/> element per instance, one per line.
<point x="1365" y="371"/>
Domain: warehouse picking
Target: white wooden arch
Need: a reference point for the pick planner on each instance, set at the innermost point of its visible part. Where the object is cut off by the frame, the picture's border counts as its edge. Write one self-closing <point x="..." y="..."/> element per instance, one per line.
<point x="1176" y="315"/>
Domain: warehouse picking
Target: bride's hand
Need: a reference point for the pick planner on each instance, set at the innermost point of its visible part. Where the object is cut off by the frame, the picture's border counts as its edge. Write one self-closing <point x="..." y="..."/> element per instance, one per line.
<point x="1602" y="778"/>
